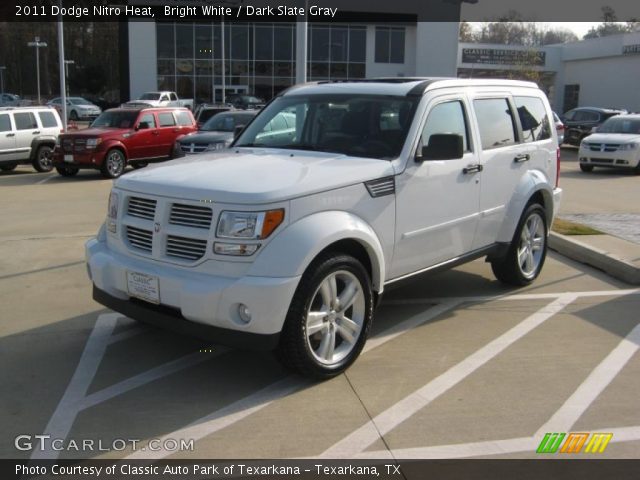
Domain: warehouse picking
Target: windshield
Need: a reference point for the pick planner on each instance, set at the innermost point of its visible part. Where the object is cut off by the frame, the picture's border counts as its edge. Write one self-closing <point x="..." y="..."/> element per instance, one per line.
<point x="621" y="125"/>
<point x="226" y="122"/>
<point x="372" y="126"/>
<point x="150" y="96"/>
<point x="116" y="119"/>
<point x="79" y="101"/>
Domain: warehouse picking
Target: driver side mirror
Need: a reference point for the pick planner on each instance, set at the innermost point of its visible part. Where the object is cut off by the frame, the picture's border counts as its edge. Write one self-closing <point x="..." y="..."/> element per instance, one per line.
<point x="142" y="126"/>
<point x="442" y="146"/>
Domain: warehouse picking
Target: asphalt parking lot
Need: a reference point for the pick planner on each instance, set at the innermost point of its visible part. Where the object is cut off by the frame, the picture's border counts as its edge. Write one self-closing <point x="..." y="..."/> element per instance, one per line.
<point x="457" y="365"/>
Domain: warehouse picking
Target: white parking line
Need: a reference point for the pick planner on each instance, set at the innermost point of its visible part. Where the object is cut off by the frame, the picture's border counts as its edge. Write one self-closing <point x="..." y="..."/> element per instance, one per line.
<point x="45" y="180"/>
<point x="386" y="421"/>
<point x="65" y="414"/>
<point x="594" y="385"/>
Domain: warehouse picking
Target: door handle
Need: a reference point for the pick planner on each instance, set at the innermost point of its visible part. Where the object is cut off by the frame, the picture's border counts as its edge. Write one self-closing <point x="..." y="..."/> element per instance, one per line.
<point x="521" y="158"/>
<point x="474" y="168"/>
<point x="176" y="129"/>
<point x="35" y="132"/>
<point x="155" y="132"/>
<point x="11" y="134"/>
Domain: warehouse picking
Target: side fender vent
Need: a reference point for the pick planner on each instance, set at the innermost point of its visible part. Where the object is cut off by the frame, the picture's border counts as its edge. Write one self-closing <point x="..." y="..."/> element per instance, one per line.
<point x="381" y="187"/>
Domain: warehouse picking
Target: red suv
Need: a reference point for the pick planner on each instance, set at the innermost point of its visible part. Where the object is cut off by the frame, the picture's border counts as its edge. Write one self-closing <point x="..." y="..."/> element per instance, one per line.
<point x="121" y="136"/>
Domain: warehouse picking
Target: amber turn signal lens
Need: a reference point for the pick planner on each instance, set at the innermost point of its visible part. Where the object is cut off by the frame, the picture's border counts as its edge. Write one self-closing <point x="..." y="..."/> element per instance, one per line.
<point x="272" y="219"/>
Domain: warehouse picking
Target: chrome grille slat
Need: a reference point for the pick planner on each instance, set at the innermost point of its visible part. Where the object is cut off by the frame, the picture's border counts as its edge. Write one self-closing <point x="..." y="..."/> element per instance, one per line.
<point x="191" y="216"/>
<point x="141" y="208"/>
<point x="139" y="238"/>
<point x="185" y="248"/>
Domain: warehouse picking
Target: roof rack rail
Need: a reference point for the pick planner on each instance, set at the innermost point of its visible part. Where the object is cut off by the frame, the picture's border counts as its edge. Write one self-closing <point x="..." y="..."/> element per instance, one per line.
<point x="26" y="107"/>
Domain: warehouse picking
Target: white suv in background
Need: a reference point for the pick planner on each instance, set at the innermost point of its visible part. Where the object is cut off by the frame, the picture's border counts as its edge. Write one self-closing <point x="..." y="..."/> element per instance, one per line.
<point x="287" y="241"/>
<point x="28" y="135"/>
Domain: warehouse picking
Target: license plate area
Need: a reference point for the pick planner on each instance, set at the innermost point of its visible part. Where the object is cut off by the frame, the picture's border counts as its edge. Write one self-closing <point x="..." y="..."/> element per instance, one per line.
<point x="143" y="286"/>
<point x="68" y="158"/>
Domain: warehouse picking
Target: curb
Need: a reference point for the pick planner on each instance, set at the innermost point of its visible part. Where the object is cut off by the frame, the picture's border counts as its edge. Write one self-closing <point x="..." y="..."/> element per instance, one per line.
<point x="581" y="252"/>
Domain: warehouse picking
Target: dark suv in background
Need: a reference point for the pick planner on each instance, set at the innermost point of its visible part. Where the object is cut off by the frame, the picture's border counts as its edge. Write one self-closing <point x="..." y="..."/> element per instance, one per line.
<point x="579" y="122"/>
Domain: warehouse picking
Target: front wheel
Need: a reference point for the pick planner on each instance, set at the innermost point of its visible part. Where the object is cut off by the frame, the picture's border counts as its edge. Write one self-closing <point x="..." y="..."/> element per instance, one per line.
<point x="114" y="163"/>
<point x="528" y="250"/>
<point x="42" y="161"/>
<point x="329" y="317"/>
<point x="586" y="168"/>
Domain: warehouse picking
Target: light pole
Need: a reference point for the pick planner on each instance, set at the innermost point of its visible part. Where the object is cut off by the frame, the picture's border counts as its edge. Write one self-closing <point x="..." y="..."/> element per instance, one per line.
<point x="66" y="72"/>
<point x="2" y="69"/>
<point x="38" y="45"/>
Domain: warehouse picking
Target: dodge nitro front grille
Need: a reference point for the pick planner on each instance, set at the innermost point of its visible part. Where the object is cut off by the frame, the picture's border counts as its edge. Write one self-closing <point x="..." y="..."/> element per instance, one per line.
<point x="190" y="216"/>
<point x="603" y="147"/>
<point x="141" y="207"/>
<point x="140" y="238"/>
<point x="194" y="147"/>
<point x="185" y="248"/>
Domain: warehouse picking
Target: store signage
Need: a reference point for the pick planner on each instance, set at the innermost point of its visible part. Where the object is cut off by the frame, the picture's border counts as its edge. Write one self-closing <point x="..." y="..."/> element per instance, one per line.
<point x="503" y="56"/>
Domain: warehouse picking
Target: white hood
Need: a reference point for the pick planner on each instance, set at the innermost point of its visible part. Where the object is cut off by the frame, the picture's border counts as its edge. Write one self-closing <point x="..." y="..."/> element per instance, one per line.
<point x="253" y="176"/>
<point x="612" y="138"/>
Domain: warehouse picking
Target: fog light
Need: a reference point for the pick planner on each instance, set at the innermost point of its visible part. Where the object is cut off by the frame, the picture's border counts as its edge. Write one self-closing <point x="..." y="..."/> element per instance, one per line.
<point x="234" y="249"/>
<point x="244" y="312"/>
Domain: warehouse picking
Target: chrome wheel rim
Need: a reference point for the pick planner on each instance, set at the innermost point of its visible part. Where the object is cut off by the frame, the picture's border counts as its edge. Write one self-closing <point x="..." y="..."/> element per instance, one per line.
<point x="114" y="163"/>
<point x="531" y="246"/>
<point x="335" y="317"/>
<point x="44" y="159"/>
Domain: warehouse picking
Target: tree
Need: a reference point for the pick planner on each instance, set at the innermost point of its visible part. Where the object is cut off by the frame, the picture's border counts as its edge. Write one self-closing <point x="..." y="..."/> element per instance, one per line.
<point x="610" y="25"/>
<point x="511" y="30"/>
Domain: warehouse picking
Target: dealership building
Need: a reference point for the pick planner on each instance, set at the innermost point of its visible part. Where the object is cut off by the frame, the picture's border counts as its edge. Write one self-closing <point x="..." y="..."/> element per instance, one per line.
<point x="260" y="58"/>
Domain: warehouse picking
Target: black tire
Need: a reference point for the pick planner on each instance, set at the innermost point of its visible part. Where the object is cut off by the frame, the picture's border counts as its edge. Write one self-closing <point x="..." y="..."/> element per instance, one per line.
<point x="43" y="161"/>
<point x="67" y="171"/>
<point x="73" y="116"/>
<point x="176" y="151"/>
<point x="303" y="352"/>
<point x="586" y="168"/>
<point x="510" y="268"/>
<point x="113" y="164"/>
<point x="8" y="167"/>
<point x="138" y="165"/>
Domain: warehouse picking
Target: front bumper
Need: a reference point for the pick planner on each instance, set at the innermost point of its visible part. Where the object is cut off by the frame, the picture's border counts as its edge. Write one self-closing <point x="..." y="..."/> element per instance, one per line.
<point x="196" y="303"/>
<point x="86" y="159"/>
<point x="618" y="158"/>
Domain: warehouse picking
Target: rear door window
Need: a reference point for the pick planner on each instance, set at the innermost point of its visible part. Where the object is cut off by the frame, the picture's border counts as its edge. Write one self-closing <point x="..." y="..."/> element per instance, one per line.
<point x="166" y="119"/>
<point x="5" y="123"/>
<point x="495" y="121"/>
<point x="25" y="121"/>
<point x="533" y="119"/>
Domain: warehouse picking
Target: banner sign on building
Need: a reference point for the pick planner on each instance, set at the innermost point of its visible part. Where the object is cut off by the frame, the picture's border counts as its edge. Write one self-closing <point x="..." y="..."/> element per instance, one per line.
<point x="503" y="56"/>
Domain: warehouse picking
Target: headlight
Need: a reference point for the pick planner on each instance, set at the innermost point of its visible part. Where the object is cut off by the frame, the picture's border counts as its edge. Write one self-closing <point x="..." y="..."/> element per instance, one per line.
<point x="629" y="146"/>
<point x="249" y="225"/>
<point x="112" y="212"/>
<point x="93" y="142"/>
<point x="216" y="146"/>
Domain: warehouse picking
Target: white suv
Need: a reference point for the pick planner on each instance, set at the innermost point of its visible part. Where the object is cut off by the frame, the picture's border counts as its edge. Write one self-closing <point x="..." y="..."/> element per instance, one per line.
<point x="286" y="240"/>
<point x="28" y="135"/>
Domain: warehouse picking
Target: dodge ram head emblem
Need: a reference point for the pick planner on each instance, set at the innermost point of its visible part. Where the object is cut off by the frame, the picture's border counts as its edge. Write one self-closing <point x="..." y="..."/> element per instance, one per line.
<point x="156" y="227"/>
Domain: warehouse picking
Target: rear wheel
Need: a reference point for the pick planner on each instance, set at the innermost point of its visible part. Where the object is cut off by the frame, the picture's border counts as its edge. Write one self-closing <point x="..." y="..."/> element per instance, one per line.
<point x="42" y="161"/>
<point x="528" y="250"/>
<point x="113" y="164"/>
<point x="73" y="116"/>
<point x="329" y="318"/>
<point x="176" y="151"/>
<point x="8" y="167"/>
<point x="67" y="171"/>
<point x="586" y="168"/>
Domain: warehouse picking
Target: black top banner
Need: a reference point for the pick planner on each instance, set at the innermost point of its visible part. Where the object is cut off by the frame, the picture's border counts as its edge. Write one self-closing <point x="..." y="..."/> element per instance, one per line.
<point x="379" y="11"/>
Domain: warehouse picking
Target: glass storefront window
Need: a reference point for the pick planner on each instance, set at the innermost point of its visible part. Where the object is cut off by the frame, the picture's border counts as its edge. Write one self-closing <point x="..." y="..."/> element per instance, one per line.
<point x="204" y="41"/>
<point x="165" y="40"/>
<point x="184" y="41"/>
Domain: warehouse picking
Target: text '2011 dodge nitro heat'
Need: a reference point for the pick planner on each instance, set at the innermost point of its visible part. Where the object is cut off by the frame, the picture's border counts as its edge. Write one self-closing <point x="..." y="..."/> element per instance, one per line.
<point x="286" y="240"/>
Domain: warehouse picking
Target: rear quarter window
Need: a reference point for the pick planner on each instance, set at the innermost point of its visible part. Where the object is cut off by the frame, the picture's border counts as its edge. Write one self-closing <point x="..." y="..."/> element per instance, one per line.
<point x="495" y="121"/>
<point x="184" y="119"/>
<point x="48" y="119"/>
<point x="533" y="119"/>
